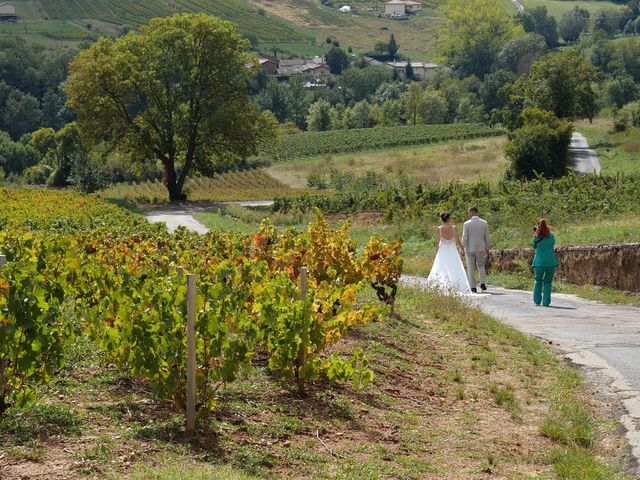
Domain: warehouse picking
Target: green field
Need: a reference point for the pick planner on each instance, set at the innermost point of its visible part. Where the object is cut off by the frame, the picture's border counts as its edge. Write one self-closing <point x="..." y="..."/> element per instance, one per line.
<point x="35" y="26"/>
<point x="297" y="27"/>
<point x="558" y="7"/>
<point x="479" y="159"/>
<point x="255" y="184"/>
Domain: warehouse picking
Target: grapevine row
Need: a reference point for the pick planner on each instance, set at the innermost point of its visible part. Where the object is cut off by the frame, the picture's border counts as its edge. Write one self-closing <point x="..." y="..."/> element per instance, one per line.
<point x="138" y="12"/>
<point x="254" y="184"/>
<point x="309" y="144"/>
<point x="121" y="285"/>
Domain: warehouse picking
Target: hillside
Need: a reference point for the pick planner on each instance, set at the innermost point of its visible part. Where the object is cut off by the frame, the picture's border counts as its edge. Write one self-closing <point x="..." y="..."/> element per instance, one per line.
<point x="292" y="27"/>
<point x="79" y="19"/>
<point x="362" y="29"/>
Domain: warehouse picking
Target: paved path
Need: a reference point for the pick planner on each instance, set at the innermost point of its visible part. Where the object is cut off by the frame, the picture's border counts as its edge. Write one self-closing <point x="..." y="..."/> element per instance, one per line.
<point x="603" y="339"/>
<point x="585" y="160"/>
<point x="177" y="219"/>
<point x="519" y="6"/>
<point x="182" y="214"/>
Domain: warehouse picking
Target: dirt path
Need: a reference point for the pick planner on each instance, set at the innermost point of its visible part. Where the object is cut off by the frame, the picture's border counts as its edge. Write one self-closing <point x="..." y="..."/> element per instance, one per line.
<point x="177" y="219"/>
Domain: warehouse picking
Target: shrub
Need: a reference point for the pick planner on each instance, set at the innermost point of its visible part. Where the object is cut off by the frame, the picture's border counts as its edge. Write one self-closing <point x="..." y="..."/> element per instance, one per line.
<point x="87" y="174"/>
<point x="36" y="175"/>
<point x="540" y="146"/>
<point x="629" y="116"/>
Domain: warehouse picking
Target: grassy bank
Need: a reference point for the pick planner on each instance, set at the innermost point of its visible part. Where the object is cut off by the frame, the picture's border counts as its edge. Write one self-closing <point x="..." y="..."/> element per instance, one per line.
<point x="618" y="152"/>
<point x="456" y="395"/>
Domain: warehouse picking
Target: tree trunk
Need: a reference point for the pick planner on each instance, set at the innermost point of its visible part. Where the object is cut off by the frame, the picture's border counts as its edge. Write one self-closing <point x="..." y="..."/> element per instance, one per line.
<point x="170" y="181"/>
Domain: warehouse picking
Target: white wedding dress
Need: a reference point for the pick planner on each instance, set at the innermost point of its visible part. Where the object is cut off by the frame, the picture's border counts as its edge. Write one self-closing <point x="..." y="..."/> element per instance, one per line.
<point x="448" y="273"/>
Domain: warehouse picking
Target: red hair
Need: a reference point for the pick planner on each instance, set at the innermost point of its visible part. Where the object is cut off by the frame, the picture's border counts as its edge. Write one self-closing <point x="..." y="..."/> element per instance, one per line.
<point x="543" y="230"/>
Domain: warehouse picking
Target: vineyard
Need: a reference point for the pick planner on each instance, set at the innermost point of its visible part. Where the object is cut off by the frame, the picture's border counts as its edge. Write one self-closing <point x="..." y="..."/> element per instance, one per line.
<point x="510" y="207"/>
<point x="309" y="144"/>
<point x="83" y="265"/>
<point x="254" y="184"/>
<point x="93" y="358"/>
<point x="138" y="12"/>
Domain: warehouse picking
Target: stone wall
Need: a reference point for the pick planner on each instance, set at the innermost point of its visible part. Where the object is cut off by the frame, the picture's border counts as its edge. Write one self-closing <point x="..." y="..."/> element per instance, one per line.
<point x="616" y="266"/>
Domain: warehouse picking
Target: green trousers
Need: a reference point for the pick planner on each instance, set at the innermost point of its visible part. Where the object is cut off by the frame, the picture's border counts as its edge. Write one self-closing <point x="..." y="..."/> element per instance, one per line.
<point x="542" y="286"/>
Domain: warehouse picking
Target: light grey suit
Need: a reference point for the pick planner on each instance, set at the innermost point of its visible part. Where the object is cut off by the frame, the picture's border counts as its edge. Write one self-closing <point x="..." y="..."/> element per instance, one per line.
<point x="475" y="241"/>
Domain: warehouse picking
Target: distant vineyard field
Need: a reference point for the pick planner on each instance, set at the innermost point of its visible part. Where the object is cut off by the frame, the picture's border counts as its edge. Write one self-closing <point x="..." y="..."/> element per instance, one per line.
<point x="232" y="186"/>
<point x="309" y="144"/>
<point x="137" y="12"/>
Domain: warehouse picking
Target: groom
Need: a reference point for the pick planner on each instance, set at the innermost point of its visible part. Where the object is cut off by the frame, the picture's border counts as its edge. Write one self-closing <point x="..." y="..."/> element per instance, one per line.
<point x="475" y="241"/>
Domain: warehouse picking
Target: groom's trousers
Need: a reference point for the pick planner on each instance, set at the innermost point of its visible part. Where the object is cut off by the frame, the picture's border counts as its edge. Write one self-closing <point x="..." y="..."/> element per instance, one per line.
<point x="475" y="259"/>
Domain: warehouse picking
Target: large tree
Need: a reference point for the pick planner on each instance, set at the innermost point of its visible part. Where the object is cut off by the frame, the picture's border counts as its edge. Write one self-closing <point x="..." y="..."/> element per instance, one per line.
<point x="392" y="48"/>
<point x="540" y="146"/>
<point x="561" y="82"/>
<point x="472" y="34"/>
<point x="573" y="23"/>
<point x="518" y="54"/>
<point x="337" y="60"/>
<point x="176" y="92"/>
<point x="538" y="20"/>
<point x="412" y="99"/>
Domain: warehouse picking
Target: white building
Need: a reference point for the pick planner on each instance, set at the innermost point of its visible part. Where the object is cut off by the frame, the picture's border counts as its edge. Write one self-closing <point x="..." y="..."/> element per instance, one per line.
<point x="420" y="69"/>
<point x="402" y="7"/>
<point x="8" y="12"/>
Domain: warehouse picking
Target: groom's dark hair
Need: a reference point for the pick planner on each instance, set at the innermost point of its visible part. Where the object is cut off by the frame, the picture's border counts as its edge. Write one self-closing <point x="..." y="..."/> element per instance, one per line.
<point x="473" y="210"/>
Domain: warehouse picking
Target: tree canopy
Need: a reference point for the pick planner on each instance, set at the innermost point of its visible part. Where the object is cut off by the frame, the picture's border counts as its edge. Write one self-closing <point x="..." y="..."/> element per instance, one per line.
<point x="337" y="60"/>
<point x="174" y="92"/>
<point x="540" y="146"/>
<point x="472" y="34"/>
<point x="561" y="82"/>
<point x="573" y="23"/>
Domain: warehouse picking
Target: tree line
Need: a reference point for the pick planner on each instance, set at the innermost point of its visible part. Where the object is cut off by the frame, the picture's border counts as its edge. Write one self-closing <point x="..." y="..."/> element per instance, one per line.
<point x="176" y="97"/>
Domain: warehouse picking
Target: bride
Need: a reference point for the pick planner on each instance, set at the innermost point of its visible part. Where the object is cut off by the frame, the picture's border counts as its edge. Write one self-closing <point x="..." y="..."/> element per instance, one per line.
<point x="447" y="272"/>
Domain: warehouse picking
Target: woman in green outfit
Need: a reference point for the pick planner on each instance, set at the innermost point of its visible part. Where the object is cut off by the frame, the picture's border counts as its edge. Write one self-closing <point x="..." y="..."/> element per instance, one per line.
<point x="544" y="263"/>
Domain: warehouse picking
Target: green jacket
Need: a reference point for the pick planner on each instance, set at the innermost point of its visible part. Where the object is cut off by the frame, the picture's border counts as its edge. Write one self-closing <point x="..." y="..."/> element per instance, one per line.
<point x="545" y="255"/>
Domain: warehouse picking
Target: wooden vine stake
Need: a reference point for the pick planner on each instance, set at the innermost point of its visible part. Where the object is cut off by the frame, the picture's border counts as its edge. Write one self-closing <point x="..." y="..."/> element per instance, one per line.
<point x="303" y="283"/>
<point x="180" y="272"/>
<point x="305" y="340"/>
<point x="3" y="260"/>
<point x="191" y="354"/>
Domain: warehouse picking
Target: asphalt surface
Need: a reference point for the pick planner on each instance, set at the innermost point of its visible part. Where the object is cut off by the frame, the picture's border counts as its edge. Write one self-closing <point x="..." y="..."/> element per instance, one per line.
<point x="584" y="159"/>
<point x="519" y="6"/>
<point x="174" y="220"/>
<point x="178" y="215"/>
